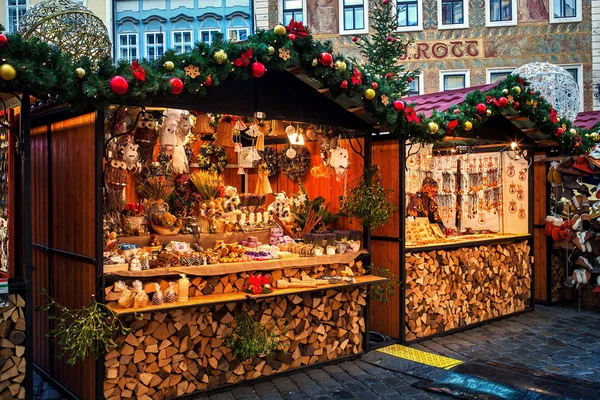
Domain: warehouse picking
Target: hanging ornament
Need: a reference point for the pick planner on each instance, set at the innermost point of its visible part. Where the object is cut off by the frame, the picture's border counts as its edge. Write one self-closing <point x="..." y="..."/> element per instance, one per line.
<point x="292" y="37"/>
<point x="271" y="50"/>
<point x="3" y="40"/>
<point x="344" y="84"/>
<point x="279" y="30"/>
<point x="433" y="127"/>
<point x="409" y="79"/>
<point x="176" y="86"/>
<point x="192" y="71"/>
<point x="385" y="100"/>
<point x="505" y="91"/>
<point x="375" y="85"/>
<point x="208" y="81"/>
<point x="516" y="105"/>
<point x="314" y="62"/>
<point x="284" y="54"/>
<point x="241" y="171"/>
<point x="354" y="39"/>
<point x="456" y="111"/>
<point x="340" y="66"/>
<point x="451" y="126"/>
<point x="356" y="77"/>
<point x="398" y="105"/>
<point x="253" y="155"/>
<point x="572" y="131"/>
<point x="369" y="94"/>
<point x="481" y="108"/>
<point x="220" y="56"/>
<point x="80" y="72"/>
<point x="258" y="69"/>
<point x="237" y="147"/>
<point x="326" y="59"/>
<point x="169" y="66"/>
<point x="389" y="38"/>
<point x="290" y="153"/>
<point x="559" y="132"/>
<point x="488" y="112"/>
<point x="118" y="84"/>
<point x="517" y="90"/>
<point x="529" y="102"/>
<point x="468" y="125"/>
<point x="502" y="101"/>
<point x="138" y="72"/>
<point x="388" y="75"/>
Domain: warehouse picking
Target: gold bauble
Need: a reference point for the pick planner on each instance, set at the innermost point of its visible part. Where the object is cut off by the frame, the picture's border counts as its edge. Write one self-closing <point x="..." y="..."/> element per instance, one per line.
<point x="279" y="30"/>
<point x="169" y="66"/>
<point x="271" y="50"/>
<point x="468" y="125"/>
<point x="488" y="112"/>
<point x="80" y="72"/>
<point x="517" y="90"/>
<point x="369" y="94"/>
<point x="529" y="102"/>
<point x="340" y="66"/>
<point x="505" y="91"/>
<point x="433" y="127"/>
<point x="314" y="62"/>
<point x="7" y="72"/>
<point x="220" y="57"/>
<point x="573" y="131"/>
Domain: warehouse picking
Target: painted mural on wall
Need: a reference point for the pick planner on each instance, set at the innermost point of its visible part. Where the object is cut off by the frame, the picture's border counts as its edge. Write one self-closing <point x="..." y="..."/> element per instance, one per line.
<point x="322" y="16"/>
<point x="533" y="11"/>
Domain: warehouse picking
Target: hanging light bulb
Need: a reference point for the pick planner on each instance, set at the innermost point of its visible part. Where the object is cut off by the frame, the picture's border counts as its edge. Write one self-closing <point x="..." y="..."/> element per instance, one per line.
<point x="514" y="145"/>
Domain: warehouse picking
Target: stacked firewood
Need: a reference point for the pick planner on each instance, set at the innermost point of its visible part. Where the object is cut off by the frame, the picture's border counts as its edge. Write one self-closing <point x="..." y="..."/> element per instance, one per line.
<point x="182" y="351"/>
<point x="448" y="289"/>
<point x="12" y="348"/>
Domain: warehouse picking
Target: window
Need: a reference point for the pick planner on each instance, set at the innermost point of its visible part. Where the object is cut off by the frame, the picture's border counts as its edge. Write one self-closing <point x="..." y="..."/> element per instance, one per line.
<point x="182" y="41"/>
<point x="128" y="46"/>
<point x="453" y="14"/>
<point x="155" y="45"/>
<point x="414" y="87"/>
<point x="292" y="9"/>
<point x="497" y="74"/>
<point x="451" y="80"/>
<point x="565" y="11"/>
<point x="237" y="34"/>
<point x="354" y="17"/>
<point x="410" y="14"/>
<point x="16" y="10"/>
<point x="208" y="35"/>
<point x="501" y="12"/>
<point x="576" y="72"/>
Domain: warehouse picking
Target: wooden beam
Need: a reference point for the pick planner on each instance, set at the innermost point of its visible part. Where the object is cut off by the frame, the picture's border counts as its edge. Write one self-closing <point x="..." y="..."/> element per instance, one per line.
<point x="516" y="118"/>
<point x="324" y="90"/>
<point x="356" y="109"/>
<point x="295" y="70"/>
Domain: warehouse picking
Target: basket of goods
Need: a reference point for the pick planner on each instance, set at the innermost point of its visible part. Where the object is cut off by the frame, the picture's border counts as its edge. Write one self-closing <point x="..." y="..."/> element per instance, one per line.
<point x="133" y="219"/>
<point x="165" y="223"/>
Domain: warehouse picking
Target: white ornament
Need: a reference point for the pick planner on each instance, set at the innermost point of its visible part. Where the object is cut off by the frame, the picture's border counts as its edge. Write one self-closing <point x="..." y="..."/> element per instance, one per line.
<point x="338" y="160"/>
<point x="130" y="155"/>
<point x="556" y="85"/>
<point x="290" y="130"/>
<point x="290" y="153"/>
<point x="254" y="131"/>
<point x="253" y="155"/>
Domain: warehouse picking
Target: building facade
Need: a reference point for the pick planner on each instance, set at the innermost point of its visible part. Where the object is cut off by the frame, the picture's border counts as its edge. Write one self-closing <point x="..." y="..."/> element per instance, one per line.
<point x="13" y="10"/>
<point x="147" y="28"/>
<point x="461" y="43"/>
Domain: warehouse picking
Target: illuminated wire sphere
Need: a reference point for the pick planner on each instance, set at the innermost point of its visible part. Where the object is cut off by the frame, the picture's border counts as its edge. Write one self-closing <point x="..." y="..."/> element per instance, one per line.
<point x="70" y="26"/>
<point x="556" y="84"/>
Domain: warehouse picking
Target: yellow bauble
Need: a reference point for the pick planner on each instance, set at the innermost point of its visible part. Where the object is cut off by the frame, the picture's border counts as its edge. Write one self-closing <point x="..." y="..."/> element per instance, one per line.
<point x="80" y="72"/>
<point x="468" y="126"/>
<point x="7" y="72"/>
<point x="279" y="30"/>
<point x="529" y="102"/>
<point x="573" y="131"/>
<point x="517" y="90"/>
<point x="169" y="66"/>
<point x="271" y="50"/>
<point x="314" y="62"/>
<point x="488" y="112"/>
<point x="505" y="91"/>
<point x="433" y="128"/>
<point x="370" y="94"/>
<point x="340" y="66"/>
<point x="220" y="56"/>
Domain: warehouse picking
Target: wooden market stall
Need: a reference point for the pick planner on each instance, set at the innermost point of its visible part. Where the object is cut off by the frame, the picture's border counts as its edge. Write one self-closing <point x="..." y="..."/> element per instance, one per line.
<point x="179" y="348"/>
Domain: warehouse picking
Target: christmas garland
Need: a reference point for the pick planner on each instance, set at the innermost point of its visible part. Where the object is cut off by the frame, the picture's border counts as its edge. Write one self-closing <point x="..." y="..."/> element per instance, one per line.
<point x="269" y="160"/>
<point x="297" y="167"/>
<point x="204" y="158"/>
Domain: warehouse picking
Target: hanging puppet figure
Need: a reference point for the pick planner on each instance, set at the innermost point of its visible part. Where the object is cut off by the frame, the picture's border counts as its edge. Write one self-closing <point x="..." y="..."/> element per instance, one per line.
<point x="145" y="136"/>
<point x="130" y="154"/>
<point x="338" y="160"/>
<point x="115" y="180"/>
<point x="170" y="142"/>
<point x="182" y="133"/>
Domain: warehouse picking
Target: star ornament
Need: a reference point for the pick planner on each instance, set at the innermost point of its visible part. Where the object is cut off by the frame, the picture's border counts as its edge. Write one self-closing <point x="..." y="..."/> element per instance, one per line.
<point x="385" y="100"/>
<point x="284" y="54"/>
<point x="192" y="71"/>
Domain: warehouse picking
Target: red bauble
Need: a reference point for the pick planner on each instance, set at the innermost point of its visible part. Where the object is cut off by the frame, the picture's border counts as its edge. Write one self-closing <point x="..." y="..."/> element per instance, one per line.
<point x="398" y="105"/>
<point x="3" y="40"/>
<point x="176" y="85"/>
<point x="502" y="101"/>
<point x="354" y="39"/>
<point x="410" y="80"/>
<point x="258" y="69"/>
<point x="292" y="37"/>
<point x="388" y="75"/>
<point x="326" y="59"/>
<point x="559" y="132"/>
<point x="119" y="85"/>
<point x="389" y="38"/>
<point x="481" y="108"/>
<point x="532" y="93"/>
<point x="456" y="111"/>
<point x="208" y="81"/>
<point x="385" y="2"/>
<point x="344" y="84"/>
<point x="375" y="85"/>
<point x="516" y="105"/>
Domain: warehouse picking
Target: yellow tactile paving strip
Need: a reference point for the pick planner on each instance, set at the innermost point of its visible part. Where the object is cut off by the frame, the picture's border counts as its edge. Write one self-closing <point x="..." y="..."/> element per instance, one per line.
<point x="423" y="357"/>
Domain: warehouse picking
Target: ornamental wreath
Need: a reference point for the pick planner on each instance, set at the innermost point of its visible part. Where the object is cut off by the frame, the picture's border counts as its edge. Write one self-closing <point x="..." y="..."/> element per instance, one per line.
<point x="207" y="150"/>
<point x="297" y="167"/>
<point x="269" y="161"/>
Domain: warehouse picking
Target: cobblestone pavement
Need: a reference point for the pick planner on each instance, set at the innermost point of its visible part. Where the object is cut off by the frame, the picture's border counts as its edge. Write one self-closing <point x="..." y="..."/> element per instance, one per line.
<point x="557" y="340"/>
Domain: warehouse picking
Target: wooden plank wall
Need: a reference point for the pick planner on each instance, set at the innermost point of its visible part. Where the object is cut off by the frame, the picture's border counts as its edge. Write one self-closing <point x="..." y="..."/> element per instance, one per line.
<point x="72" y="195"/>
<point x="540" y="210"/>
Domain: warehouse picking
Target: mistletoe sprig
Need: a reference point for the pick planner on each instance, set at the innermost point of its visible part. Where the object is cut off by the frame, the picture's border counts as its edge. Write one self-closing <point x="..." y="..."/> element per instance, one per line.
<point x="250" y="338"/>
<point x="84" y="332"/>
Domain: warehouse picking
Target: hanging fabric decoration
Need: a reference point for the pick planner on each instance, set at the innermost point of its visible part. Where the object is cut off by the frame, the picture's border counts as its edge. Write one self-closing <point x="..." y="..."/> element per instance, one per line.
<point x="241" y="171"/>
<point x="338" y="160"/>
<point x="254" y="130"/>
<point x="225" y="132"/>
<point x="263" y="186"/>
<point x="238" y="147"/>
<point x="253" y="155"/>
<point x="180" y="159"/>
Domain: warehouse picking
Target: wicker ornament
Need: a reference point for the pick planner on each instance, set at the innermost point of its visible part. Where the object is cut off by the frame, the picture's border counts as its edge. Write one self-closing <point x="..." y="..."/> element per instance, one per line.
<point x="225" y="134"/>
<point x="202" y="126"/>
<point x="277" y="128"/>
<point x="297" y="167"/>
<point x="145" y="136"/>
<point x="70" y="26"/>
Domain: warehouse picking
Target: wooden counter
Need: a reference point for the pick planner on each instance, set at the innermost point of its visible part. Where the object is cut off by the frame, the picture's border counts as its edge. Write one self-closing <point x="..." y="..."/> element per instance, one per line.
<point x="467" y="241"/>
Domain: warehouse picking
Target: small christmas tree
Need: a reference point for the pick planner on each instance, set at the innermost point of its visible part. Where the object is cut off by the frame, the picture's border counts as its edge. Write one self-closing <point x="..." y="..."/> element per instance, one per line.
<point x="382" y="50"/>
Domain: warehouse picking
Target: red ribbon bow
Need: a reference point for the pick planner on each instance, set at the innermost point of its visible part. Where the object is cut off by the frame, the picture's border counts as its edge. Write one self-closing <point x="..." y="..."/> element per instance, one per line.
<point x="244" y="59"/>
<point x="553" y="115"/>
<point x="411" y="115"/>
<point x="356" y="77"/>
<point x="297" y="28"/>
<point x="451" y="125"/>
<point x="138" y="71"/>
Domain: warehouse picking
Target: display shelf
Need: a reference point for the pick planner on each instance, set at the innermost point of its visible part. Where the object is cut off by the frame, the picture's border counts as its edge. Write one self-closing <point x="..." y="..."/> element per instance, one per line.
<point x="236" y="297"/>
<point x="467" y="241"/>
<point x="204" y="239"/>
<point x="232" y="268"/>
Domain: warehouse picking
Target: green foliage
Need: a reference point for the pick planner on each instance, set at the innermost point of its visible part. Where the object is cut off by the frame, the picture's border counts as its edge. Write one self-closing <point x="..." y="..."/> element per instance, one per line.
<point x="383" y="291"/>
<point x="250" y="339"/>
<point x="87" y="331"/>
<point x="368" y="201"/>
<point x="300" y="209"/>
